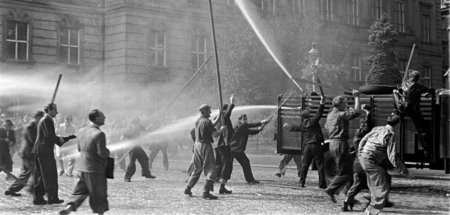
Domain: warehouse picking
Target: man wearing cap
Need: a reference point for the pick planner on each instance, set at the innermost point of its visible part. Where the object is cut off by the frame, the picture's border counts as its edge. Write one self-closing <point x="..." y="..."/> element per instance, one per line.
<point x="203" y="153"/>
<point x="45" y="174"/>
<point x="239" y="143"/>
<point x="28" y="158"/>
<point x="7" y="140"/>
<point x="337" y="125"/>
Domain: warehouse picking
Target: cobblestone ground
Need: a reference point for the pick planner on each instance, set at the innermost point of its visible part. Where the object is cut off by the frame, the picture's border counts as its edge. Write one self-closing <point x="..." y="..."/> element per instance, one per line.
<point x="164" y="195"/>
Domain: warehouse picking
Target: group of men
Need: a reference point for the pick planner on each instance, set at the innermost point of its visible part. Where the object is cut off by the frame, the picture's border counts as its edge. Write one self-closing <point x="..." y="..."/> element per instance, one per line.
<point x="215" y="157"/>
<point x="373" y="151"/>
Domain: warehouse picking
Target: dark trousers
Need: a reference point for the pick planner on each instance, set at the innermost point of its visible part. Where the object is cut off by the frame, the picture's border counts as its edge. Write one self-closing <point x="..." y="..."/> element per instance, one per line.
<point x="154" y="152"/>
<point x="27" y="171"/>
<point x="6" y="160"/>
<point x="45" y="179"/>
<point x="93" y="185"/>
<point x="242" y="158"/>
<point x="359" y="179"/>
<point x="138" y="154"/>
<point x="344" y="170"/>
<point x="224" y="163"/>
<point x="310" y="152"/>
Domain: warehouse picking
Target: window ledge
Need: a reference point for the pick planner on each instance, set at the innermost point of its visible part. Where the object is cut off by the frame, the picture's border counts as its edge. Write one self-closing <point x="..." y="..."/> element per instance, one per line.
<point x="19" y="61"/>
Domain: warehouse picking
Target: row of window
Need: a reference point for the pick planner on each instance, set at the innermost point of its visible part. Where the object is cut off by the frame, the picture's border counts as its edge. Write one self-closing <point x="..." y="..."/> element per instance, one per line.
<point x="353" y="11"/>
<point x="18" y="43"/>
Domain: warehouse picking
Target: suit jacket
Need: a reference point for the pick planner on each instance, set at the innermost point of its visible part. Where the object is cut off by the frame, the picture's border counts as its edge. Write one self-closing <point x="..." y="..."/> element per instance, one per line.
<point x="93" y="151"/>
<point x="28" y="140"/>
<point x="46" y="138"/>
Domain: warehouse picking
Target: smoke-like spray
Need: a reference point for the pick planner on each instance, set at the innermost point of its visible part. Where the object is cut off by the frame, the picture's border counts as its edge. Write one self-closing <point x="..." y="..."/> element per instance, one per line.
<point x="176" y="130"/>
<point x="251" y="19"/>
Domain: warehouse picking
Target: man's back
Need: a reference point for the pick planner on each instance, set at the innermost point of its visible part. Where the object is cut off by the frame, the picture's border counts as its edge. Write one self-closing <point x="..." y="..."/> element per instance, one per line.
<point x="93" y="151"/>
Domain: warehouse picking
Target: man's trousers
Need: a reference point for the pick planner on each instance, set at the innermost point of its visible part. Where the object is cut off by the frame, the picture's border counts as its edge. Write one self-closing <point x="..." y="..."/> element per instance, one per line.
<point x="203" y="162"/>
<point x="94" y="186"/>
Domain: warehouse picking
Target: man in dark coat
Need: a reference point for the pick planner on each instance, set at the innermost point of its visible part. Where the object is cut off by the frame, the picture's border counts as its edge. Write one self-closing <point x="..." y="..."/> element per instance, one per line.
<point x="313" y="138"/>
<point x="223" y="149"/>
<point x="239" y="143"/>
<point x="92" y="181"/>
<point x="28" y="158"/>
<point x="7" y="141"/>
<point x="133" y="133"/>
<point x="45" y="174"/>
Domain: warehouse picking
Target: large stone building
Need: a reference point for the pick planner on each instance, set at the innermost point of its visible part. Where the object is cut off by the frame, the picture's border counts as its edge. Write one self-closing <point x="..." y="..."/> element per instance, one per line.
<point x="147" y="42"/>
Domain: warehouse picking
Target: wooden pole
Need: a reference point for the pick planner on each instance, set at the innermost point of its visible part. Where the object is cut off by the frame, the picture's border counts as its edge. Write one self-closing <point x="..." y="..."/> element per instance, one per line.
<point x="405" y="75"/>
<point x="56" y="88"/>
<point x="217" y="59"/>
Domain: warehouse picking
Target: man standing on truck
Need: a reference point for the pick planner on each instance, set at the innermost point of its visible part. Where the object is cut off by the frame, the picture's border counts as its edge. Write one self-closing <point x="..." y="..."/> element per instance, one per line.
<point x="338" y="128"/>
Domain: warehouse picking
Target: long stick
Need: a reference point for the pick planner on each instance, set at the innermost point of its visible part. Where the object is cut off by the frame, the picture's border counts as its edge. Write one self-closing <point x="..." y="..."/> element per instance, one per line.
<point x="276" y="110"/>
<point x="217" y="59"/>
<point x="405" y="75"/>
<point x="188" y="82"/>
<point x="2" y="168"/>
<point x="56" y="88"/>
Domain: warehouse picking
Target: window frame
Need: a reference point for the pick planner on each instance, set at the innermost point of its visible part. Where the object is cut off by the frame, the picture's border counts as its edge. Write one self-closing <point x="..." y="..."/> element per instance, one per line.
<point x="377" y="9"/>
<point x="69" y="45"/>
<point x="399" y="16"/>
<point x="153" y="47"/>
<point x="355" y="69"/>
<point x="196" y="50"/>
<point x="327" y="10"/>
<point x="426" y="76"/>
<point x="353" y="9"/>
<point x="16" y="41"/>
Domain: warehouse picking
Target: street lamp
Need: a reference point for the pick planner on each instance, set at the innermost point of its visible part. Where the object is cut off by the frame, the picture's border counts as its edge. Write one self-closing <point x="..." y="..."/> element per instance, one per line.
<point x="313" y="58"/>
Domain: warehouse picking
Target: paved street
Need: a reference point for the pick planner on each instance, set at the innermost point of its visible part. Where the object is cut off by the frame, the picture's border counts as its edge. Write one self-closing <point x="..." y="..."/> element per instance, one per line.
<point x="164" y="195"/>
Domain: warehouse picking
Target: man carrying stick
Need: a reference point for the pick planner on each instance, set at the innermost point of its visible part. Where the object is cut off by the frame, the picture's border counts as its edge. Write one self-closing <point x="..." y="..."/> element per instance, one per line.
<point x="45" y="175"/>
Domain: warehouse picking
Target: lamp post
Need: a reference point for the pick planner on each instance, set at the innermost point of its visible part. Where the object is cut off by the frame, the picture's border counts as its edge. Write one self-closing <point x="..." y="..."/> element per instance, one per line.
<point x="313" y="58"/>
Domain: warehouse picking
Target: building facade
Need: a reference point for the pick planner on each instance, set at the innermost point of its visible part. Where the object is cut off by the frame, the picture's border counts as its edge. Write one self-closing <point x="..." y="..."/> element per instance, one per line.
<point x="157" y="41"/>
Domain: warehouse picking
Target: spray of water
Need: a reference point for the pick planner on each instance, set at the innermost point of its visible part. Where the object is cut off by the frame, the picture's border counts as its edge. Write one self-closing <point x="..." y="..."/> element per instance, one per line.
<point x="178" y="130"/>
<point x="251" y="16"/>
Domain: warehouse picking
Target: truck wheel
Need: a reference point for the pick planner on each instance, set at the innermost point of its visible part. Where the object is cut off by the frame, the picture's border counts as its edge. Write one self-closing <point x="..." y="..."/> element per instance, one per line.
<point x="330" y="167"/>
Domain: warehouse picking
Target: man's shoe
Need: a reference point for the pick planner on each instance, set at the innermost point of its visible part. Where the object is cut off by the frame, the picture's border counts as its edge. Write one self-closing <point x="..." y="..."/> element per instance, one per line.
<point x="208" y="196"/>
<point x="61" y="173"/>
<point x="253" y="182"/>
<point x="323" y="186"/>
<point x="56" y="201"/>
<point x="224" y="191"/>
<point x="150" y="176"/>
<point x="331" y="195"/>
<point x="69" y="174"/>
<point x="67" y="210"/>
<point x="188" y="191"/>
<point x="39" y="202"/>
<point x="127" y="180"/>
<point x="278" y="175"/>
<point x="12" y="193"/>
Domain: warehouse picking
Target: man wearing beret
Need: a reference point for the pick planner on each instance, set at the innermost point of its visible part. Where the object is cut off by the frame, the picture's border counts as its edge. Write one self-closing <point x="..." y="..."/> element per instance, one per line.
<point x="203" y="153"/>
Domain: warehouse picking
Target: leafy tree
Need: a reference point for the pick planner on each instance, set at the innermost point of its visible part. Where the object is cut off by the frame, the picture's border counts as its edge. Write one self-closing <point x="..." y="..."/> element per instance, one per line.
<point x="382" y="39"/>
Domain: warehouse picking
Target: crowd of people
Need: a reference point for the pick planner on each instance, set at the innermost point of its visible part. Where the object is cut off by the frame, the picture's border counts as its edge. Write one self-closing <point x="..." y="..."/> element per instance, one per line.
<point x="44" y="142"/>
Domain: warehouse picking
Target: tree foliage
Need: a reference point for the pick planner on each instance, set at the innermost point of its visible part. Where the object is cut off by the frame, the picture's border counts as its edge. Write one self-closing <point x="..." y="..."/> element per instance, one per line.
<point x="382" y="39"/>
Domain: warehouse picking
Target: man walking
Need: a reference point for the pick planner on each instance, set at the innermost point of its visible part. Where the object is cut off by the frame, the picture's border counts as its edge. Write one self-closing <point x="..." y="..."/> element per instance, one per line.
<point x="239" y="143"/>
<point x="28" y="158"/>
<point x="45" y="174"/>
<point x="375" y="148"/>
<point x="92" y="181"/>
<point x="66" y="129"/>
<point x="7" y="141"/>
<point x="337" y="124"/>
<point x="204" y="154"/>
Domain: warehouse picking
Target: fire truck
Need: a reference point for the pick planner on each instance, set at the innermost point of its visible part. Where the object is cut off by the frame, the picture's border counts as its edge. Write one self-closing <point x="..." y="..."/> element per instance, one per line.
<point x="435" y="112"/>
